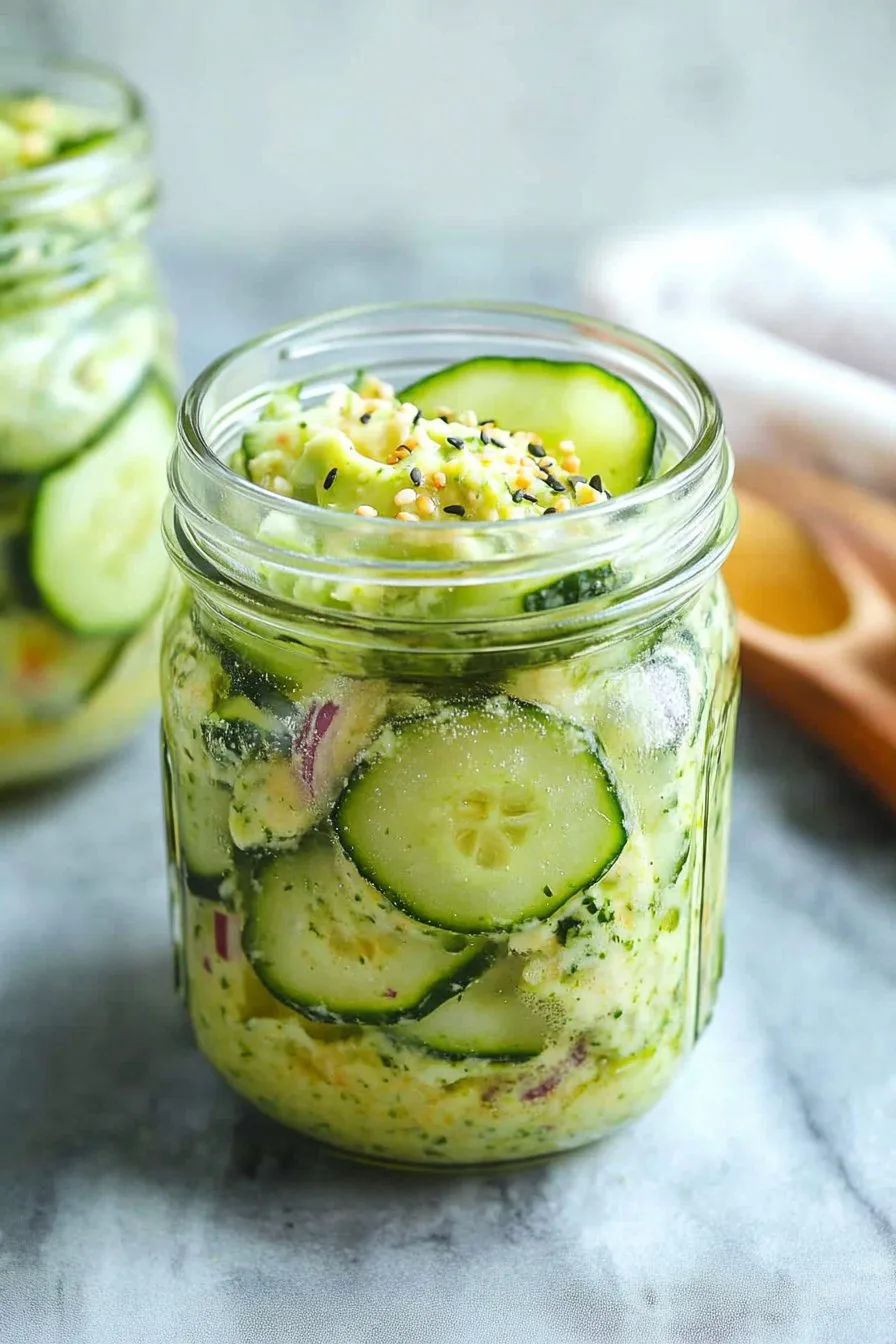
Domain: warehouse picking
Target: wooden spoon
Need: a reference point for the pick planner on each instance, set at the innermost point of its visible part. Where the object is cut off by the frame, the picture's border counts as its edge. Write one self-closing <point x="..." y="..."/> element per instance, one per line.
<point x="818" y="633"/>
<point x="867" y="521"/>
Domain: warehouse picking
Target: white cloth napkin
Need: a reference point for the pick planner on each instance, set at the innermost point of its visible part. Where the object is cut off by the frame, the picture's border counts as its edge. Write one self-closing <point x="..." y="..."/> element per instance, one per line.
<point x="788" y="311"/>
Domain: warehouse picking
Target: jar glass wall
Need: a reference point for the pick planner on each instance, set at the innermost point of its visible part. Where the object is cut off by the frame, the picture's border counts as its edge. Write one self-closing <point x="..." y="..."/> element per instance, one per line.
<point x="357" y="712"/>
<point x="86" y="417"/>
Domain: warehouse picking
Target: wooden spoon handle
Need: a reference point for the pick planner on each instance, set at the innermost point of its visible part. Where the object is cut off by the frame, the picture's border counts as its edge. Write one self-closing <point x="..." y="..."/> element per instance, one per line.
<point x="843" y="705"/>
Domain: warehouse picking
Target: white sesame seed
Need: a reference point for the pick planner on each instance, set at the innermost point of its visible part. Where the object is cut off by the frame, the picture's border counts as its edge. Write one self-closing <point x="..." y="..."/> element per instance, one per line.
<point x="365" y="511"/>
<point x="426" y="506"/>
<point x="404" y="517"/>
<point x="404" y="497"/>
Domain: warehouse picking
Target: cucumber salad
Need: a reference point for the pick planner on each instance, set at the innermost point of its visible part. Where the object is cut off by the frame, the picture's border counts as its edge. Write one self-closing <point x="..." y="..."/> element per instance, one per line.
<point x="450" y="919"/>
<point x="86" y="423"/>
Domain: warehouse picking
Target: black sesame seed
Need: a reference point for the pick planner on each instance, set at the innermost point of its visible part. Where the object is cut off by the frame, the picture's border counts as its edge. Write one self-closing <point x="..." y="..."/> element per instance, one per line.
<point x="330" y="477"/>
<point x="536" y="450"/>
<point x="551" y="510"/>
<point x="517" y="495"/>
<point x="557" y="486"/>
<point x="455" y="443"/>
<point x="484" y="437"/>
<point x="457" y="509"/>
<point x="417" y="418"/>
<point x="416" y="476"/>
<point x="365" y="418"/>
<point x="531" y="498"/>
<point x="577" y="480"/>
<point x="596" y="483"/>
<point x="489" y="420"/>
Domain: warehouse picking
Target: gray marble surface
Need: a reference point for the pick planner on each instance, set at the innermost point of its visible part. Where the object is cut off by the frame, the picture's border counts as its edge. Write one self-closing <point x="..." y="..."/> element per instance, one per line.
<point x="141" y="1201"/>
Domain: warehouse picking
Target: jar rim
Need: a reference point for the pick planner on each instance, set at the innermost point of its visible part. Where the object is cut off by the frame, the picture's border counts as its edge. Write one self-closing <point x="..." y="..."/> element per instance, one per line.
<point x="88" y="171"/>
<point x="667" y="534"/>
<point x="707" y="439"/>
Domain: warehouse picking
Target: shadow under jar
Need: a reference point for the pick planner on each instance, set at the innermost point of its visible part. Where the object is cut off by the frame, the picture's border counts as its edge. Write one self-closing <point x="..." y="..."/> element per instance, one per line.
<point x="368" y="724"/>
<point x="86" y="418"/>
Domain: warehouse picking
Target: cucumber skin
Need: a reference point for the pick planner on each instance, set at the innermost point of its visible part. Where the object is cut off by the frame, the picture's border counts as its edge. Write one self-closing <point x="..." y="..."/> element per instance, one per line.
<point x="436" y="995"/>
<point x="25" y="558"/>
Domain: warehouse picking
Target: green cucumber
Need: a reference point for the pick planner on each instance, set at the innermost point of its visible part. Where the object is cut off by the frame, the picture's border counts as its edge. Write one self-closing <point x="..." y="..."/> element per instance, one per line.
<point x="573" y="588"/>
<point x="483" y="815"/>
<point x="203" y="810"/>
<point x="97" y="557"/>
<point x="489" y="1019"/>
<point x="240" y="730"/>
<point x="613" y="430"/>
<point x="324" y="942"/>
<point x="45" y="670"/>
<point x="59" y="397"/>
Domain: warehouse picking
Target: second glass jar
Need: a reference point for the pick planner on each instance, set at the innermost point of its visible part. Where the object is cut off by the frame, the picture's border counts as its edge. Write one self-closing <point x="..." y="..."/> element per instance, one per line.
<point x="87" y="408"/>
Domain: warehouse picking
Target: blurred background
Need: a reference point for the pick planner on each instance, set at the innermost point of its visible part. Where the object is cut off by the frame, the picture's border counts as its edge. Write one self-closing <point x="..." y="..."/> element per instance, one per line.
<point x="284" y="119"/>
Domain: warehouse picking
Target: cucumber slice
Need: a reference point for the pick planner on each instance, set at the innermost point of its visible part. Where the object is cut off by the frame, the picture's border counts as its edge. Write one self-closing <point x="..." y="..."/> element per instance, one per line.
<point x="58" y="396"/>
<point x="612" y="428"/>
<point x="325" y="942"/>
<point x="203" y="810"/>
<point x="482" y="816"/>
<point x="97" y="556"/>
<point x="489" y="1020"/>
<point x="48" y="672"/>
<point x="239" y="730"/>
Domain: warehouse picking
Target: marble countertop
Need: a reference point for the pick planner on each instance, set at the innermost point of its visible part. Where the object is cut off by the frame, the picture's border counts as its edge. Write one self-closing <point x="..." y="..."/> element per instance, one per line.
<point x="141" y="1201"/>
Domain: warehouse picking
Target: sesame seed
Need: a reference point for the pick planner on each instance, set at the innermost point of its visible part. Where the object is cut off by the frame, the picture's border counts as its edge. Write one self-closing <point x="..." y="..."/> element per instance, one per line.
<point x="517" y="495"/>
<point x="404" y="517"/>
<point x="330" y="477"/>
<point x="571" y="462"/>
<point x="550" y="510"/>
<point x="566" y="446"/>
<point x="392" y="460"/>
<point x="426" y="506"/>
<point x="365" y="511"/>
<point x="457" y="509"/>
<point x="577" y="480"/>
<point x="417" y="418"/>
<point x="439" y="480"/>
<point x="416" y="476"/>
<point x="404" y="497"/>
<point x="455" y="442"/>
<point x="596" y="482"/>
<point x="366" y="417"/>
<point x="531" y="498"/>
<point x="557" y="486"/>
<point x="485" y="438"/>
<point x="536" y="450"/>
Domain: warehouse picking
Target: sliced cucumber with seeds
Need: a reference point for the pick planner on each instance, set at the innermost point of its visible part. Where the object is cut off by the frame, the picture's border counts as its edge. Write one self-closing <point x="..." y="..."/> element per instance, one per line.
<point x="97" y="556"/>
<point x="325" y="942"/>
<point x="489" y="1019"/>
<point x="482" y="816"/>
<point x="613" y="430"/>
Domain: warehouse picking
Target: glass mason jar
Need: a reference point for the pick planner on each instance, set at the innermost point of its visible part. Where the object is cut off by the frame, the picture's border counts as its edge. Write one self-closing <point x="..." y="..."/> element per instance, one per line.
<point x="304" y="643"/>
<point x="86" y="419"/>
